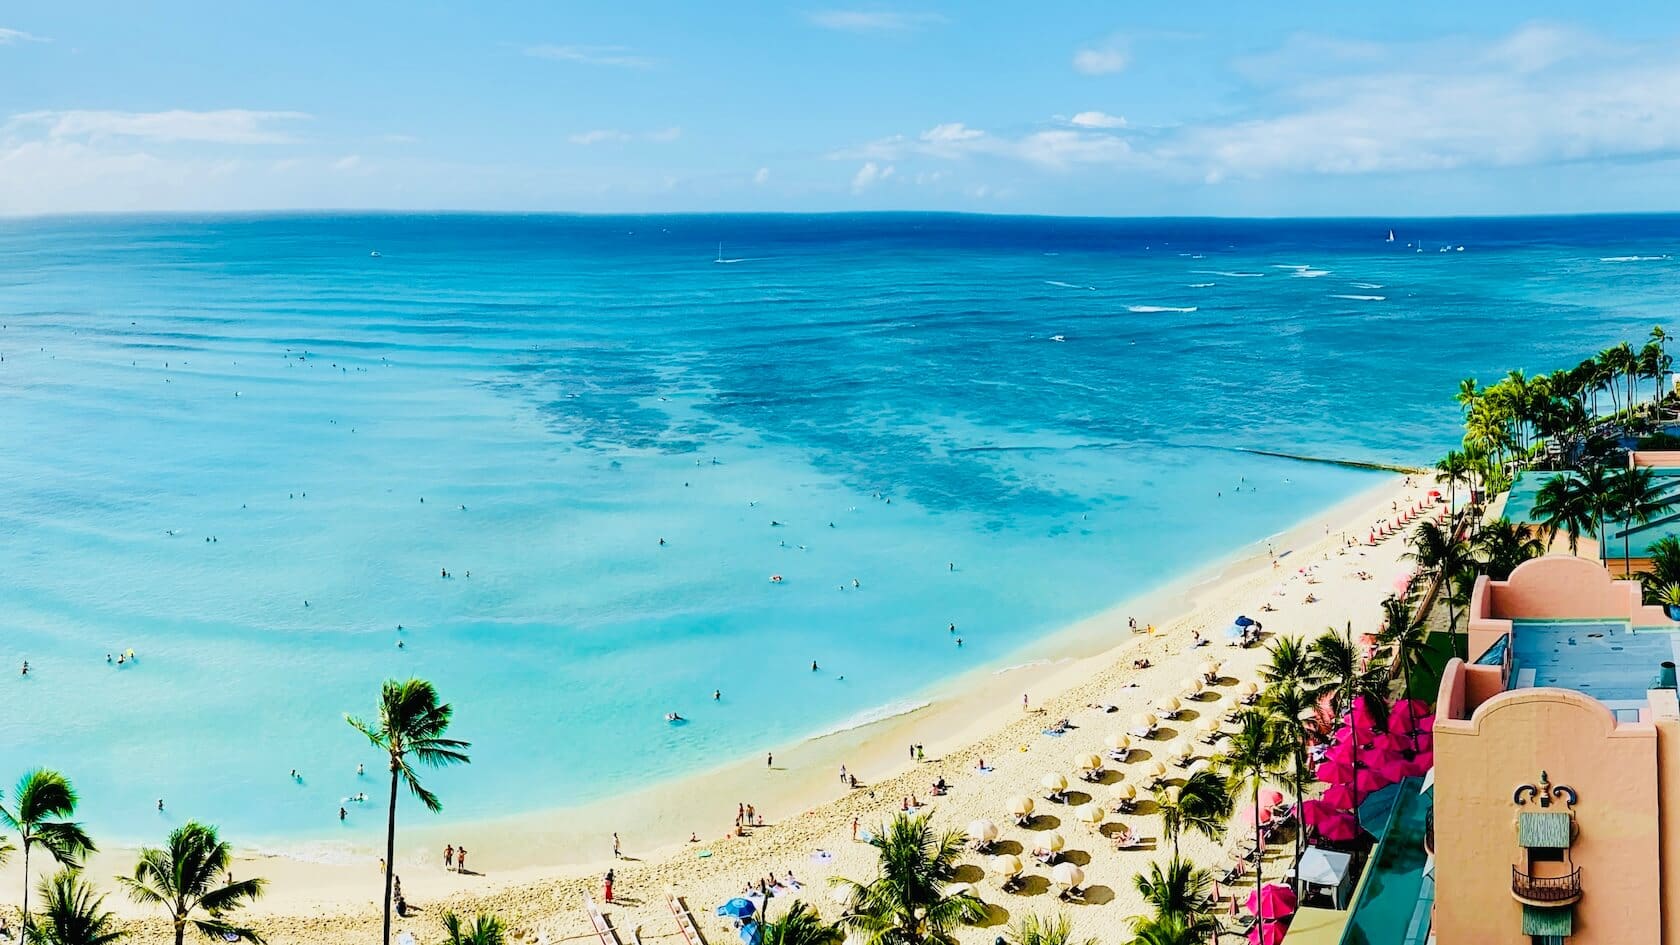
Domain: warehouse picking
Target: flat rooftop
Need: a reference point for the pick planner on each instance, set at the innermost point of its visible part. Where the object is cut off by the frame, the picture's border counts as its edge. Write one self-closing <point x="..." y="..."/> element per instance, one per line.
<point x="1606" y="659"/>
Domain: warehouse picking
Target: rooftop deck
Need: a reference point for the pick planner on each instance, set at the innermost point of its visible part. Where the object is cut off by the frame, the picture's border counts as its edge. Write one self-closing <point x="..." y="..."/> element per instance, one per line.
<point x="1605" y="659"/>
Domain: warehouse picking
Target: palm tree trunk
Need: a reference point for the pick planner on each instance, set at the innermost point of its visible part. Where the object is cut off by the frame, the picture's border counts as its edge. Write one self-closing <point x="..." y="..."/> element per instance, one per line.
<point x="180" y="931"/>
<point x="1259" y="862"/>
<point x="25" y="933"/>
<point x="390" y="849"/>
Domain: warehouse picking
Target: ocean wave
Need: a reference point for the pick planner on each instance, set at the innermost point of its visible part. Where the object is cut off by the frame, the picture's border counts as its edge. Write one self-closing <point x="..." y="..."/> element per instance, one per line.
<point x="1289" y="266"/>
<point x="321" y="853"/>
<point x="1202" y="285"/>
<point x="1069" y="285"/>
<point x="1147" y="309"/>
<point x="1029" y="664"/>
<point x="1362" y="298"/>
<point x="891" y="710"/>
<point x="1228" y="275"/>
<point x="1310" y="273"/>
<point x="1632" y="258"/>
<point x="1367" y="285"/>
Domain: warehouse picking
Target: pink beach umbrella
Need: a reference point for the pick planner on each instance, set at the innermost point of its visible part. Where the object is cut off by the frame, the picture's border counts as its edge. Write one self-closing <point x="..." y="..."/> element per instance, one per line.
<point x="1330" y="772"/>
<point x="1273" y="900"/>
<point x="1339" y="827"/>
<point x="1370" y="780"/>
<point x="1420" y="764"/>
<point x="1271" y="933"/>
<point x="1395" y="769"/>
<point x="1270" y="797"/>
<point x="1315" y="811"/>
<point x="1340" y="797"/>
<point x="1246" y="814"/>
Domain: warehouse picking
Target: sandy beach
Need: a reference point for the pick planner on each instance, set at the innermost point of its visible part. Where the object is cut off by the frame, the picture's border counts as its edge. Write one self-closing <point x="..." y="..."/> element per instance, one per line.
<point x="534" y="870"/>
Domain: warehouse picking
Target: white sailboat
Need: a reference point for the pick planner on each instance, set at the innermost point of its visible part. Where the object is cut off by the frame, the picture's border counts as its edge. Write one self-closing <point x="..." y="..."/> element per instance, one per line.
<point x="1390" y="236"/>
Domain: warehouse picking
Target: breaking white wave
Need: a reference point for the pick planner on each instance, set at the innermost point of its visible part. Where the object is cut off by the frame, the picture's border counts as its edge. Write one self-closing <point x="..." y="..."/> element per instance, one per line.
<point x="1361" y="298"/>
<point x="1069" y="285"/>
<point x="1145" y="309"/>
<point x="1367" y="285"/>
<point x="1311" y="273"/>
<point x="1228" y="275"/>
<point x="1631" y="258"/>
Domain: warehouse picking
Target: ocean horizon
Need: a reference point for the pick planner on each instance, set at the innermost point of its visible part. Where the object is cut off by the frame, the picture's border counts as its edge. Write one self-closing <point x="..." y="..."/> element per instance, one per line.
<point x="658" y="456"/>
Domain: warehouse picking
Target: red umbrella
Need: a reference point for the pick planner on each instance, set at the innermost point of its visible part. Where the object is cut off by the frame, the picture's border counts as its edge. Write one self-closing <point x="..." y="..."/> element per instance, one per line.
<point x="1270" y="797"/>
<point x="1273" y="900"/>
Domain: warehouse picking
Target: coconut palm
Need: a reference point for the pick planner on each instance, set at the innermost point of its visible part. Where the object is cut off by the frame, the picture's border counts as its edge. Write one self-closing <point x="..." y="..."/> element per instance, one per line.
<point x="1176" y="891"/>
<point x="1291" y="707"/>
<point x="801" y="926"/>
<point x="1438" y="550"/>
<point x="1407" y="637"/>
<point x="907" y="903"/>
<point x="1452" y="469"/>
<point x="71" y="914"/>
<point x="410" y="729"/>
<point x="1636" y="498"/>
<point x="42" y="804"/>
<point x="1032" y="929"/>
<point x="1286" y="661"/>
<point x="1562" y="504"/>
<point x="186" y="878"/>
<point x="1254" y="754"/>
<point x="1339" y="672"/>
<point x="1502" y="544"/>
<point x="485" y="929"/>
<point x="1202" y="804"/>
<point x="1147" y="930"/>
<point x="1664" y="568"/>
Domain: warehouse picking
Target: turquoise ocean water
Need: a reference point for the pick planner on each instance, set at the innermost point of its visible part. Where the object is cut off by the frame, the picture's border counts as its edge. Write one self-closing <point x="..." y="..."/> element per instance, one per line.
<point x="1054" y="407"/>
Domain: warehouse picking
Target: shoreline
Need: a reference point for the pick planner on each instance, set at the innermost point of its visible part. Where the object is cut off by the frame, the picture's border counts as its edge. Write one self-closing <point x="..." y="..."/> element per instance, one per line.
<point x="562" y="845"/>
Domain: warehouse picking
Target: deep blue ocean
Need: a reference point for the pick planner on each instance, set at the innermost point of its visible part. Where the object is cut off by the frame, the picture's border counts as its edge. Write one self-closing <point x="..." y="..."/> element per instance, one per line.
<point x="246" y="448"/>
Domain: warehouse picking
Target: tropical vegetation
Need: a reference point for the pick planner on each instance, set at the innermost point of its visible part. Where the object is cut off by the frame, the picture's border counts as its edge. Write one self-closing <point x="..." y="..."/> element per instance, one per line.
<point x="911" y="900"/>
<point x="188" y="878"/>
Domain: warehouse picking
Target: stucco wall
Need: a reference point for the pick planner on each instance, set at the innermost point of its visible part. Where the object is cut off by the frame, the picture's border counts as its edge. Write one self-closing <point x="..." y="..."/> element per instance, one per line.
<point x="1560" y="586"/>
<point x="1507" y="742"/>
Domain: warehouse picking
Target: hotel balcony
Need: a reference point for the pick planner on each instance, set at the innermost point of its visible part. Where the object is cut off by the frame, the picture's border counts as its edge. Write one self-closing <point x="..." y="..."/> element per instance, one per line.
<point x="1562" y="890"/>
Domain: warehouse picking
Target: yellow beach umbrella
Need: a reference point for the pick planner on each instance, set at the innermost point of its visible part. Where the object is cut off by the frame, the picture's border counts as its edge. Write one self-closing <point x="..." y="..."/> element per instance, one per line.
<point x="1090" y="813"/>
<point x="1087" y="762"/>
<point x="1054" y="781"/>
<point x="1210" y="669"/>
<point x="1054" y="843"/>
<point x="1208" y="724"/>
<point x="982" y="831"/>
<point x="1007" y="864"/>
<point x="1068" y="875"/>
<point x="1192" y="684"/>
<point x="1020" y="805"/>
<point x="1154" y="770"/>
<point x="1119" y="741"/>
<point x="1170" y="706"/>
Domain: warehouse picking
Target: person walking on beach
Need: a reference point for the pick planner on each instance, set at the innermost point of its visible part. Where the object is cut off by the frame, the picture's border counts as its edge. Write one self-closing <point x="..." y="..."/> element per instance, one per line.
<point x="750" y="813"/>
<point x="854" y="828"/>
<point x="740" y="813"/>
<point x="842" y="773"/>
<point x="460" y="859"/>
<point x="769" y="760"/>
<point x="449" y="856"/>
<point x="617" y="853"/>
<point x="606" y="887"/>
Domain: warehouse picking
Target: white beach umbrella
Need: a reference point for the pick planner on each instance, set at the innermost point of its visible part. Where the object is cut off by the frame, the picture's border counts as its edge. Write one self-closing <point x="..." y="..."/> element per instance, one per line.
<point x="1067" y="875"/>
<point x="1191" y="685"/>
<point x="1181" y="750"/>
<point x="1143" y="721"/>
<point x="1007" y="864"/>
<point x="1087" y="762"/>
<point x="1119" y="741"/>
<point x="1089" y="813"/>
<point x="1170" y="706"/>
<point x="959" y="889"/>
<point x="1124" y="791"/>
<point x="1210" y="668"/>
<point x="1055" y="782"/>
<point x="1020" y="805"/>
<point x="1154" y="770"/>
<point x="1054" y="842"/>
<point x="982" y="831"/>
<point x="1248" y="689"/>
<point x="1208" y="724"/>
<point x="841" y="895"/>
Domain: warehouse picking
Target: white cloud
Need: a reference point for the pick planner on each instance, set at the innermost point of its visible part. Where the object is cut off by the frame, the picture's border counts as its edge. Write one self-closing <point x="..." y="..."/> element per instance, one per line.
<point x="622" y="56"/>
<point x="349" y="162"/>
<point x="664" y="135"/>
<point x="954" y="140"/>
<point x="10" y="37"/>
<point x="762" y="177"/>
<point x="615" y="136"/>
<point x="951" y="131"/>
<point x="1104" y="58"/>
<point x="869" y="175"/>
<point x="225" y="126"/>
<point x="1097" y="120"/>
<point x="872" y="21"/>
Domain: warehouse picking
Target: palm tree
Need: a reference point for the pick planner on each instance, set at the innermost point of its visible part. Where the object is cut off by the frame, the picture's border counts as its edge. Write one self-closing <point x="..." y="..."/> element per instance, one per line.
<point x="42" y="804"/>
<point x="1437" y="549"/>
<point x="1452" y="469"/>
<point x="1339" y="673"/>
<point x="907" y="903"/>
<point x="800" y="926"/>
<point x="1291" y="706"/>
<point x="1286" y="661"/>
<point x="1176" y="892"/>
<point x="1637" y="497"/>
<point x="71" y="914"/>
<point x="1502" y="544"/>
<point x="1407" y="636"/>
<point x="1034" y="930"/>
<point x="1202" y="804"/>
<point x="1467" y="394"/>
<point x="1254" y="754"/>
<point x="410" y="728"/>
<point x="1563" y="505"/>
<point x="1152" y="931"/>
<point x="485" y="929"/>
<point x="186" y="878"/>
<point x="1665" y="567"/>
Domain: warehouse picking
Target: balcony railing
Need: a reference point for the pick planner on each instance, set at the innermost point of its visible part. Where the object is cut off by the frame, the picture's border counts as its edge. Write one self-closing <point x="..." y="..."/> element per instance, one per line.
<point x="1546" y="890"/>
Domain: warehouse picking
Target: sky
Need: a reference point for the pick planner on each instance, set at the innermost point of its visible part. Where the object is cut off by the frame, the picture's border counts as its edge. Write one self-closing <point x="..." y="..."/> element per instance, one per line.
<point x="1101" y="108"/>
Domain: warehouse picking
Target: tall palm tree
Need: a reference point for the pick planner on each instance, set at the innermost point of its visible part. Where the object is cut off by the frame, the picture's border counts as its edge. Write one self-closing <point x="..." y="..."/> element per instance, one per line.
<point x="801" y="926"/>
<point x="1502" y="544"/>
<point x="1340" y="673"/>
<point x="1438" y="550"/>
<point x="1032" y="929"/>
<point x="1253" y="755"/>
<point x="1148" y="930"/>
<point x="1176" y="891"/>
<point x="1665" y="567"/>
<point x="908" y="902"/>
<point x="410" y="729"/>
<point x="42" y="804"/>
<point x="1637" y="499"/>
<point x="1562" y="504"/>
<point x="71" y="914"/>
<point x="1286" y="661"/>
<point x="1452" y="469"/>
<point x="484" y="929"/>
<point x="1202" y="804"/>
<point x="1467" y="393"/>
<point x="186" y="878"/>
<point x="1290" y="707"/>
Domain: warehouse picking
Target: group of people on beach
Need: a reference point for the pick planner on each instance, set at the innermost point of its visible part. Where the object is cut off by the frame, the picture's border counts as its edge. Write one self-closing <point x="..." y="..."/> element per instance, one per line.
<point x="455" y="857"/>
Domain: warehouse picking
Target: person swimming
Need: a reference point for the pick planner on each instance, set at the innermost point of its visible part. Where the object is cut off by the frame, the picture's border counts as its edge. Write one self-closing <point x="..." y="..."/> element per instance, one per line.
<point x="674" y="717"/>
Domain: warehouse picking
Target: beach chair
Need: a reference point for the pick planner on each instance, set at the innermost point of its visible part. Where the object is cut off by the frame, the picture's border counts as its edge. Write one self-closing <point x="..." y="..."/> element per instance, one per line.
<point x="685" y="921"/>
<point x="603" y="928"/>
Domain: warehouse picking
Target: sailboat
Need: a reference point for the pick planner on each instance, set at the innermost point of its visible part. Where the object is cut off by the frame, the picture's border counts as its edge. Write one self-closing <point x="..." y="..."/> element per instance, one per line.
<point x="1391" y="236"/>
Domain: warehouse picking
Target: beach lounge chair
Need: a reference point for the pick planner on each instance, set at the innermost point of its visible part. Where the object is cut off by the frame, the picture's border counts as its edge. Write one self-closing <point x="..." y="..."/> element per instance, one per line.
<point x="598" y="922"/>
<point x="685" y="922"/>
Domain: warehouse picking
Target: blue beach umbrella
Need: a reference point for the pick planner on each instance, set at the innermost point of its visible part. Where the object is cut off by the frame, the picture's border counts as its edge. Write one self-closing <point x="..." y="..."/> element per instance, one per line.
<point x="752" y="933"/>
<point x="737" y="908"/>
<point x="1243" y="621"/>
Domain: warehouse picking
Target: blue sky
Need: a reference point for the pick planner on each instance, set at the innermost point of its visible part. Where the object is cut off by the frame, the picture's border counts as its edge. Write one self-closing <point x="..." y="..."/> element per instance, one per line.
<point x="1101" y="107"/>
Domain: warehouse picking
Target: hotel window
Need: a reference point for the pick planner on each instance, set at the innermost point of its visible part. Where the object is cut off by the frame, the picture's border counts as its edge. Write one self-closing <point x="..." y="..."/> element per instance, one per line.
<point x="1545" y="854"/>
<point x="1546" y="940"/>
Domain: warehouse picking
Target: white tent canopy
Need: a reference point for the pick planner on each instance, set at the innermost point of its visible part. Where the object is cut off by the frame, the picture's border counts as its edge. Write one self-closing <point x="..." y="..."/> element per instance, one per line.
<point x="1326" y="869"/>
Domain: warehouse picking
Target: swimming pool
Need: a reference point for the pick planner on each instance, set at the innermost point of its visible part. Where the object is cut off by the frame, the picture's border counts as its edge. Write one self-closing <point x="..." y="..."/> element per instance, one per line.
<point x="1605" y="659"/>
